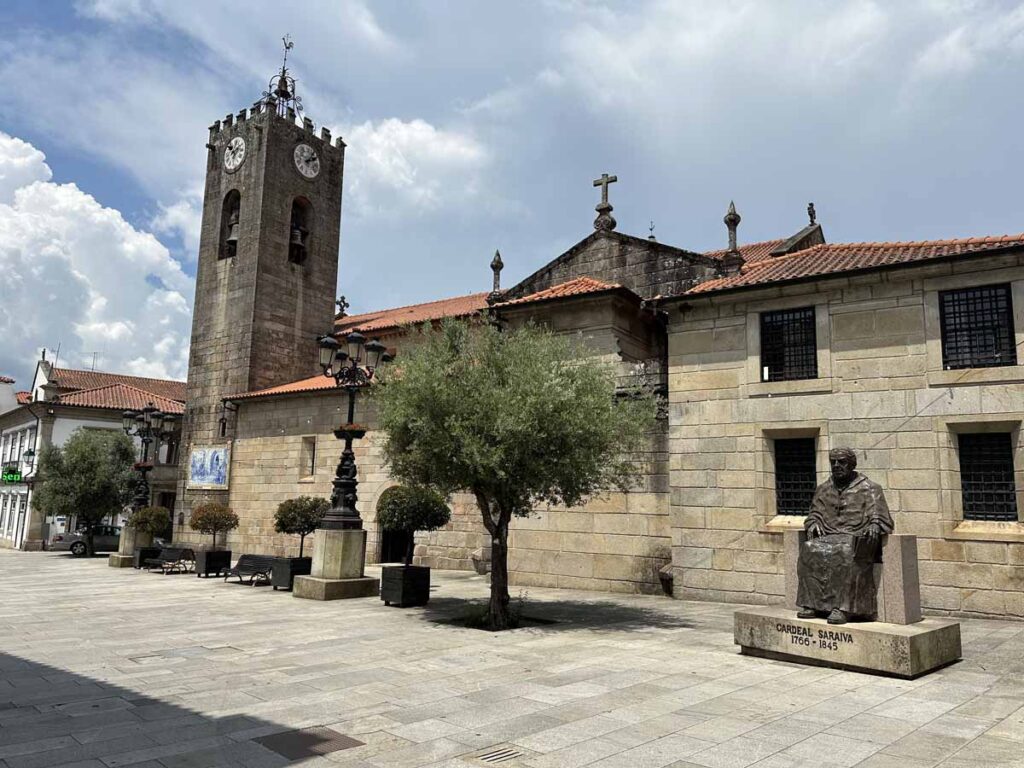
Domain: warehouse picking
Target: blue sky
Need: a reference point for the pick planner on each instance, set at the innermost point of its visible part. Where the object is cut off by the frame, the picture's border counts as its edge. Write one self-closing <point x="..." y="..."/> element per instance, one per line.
<point x="474" y="126"/>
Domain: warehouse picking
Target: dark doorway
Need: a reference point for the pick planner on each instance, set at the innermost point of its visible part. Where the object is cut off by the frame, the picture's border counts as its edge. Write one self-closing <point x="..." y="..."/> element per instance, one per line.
<point x="393" y="546"/>
<point x="166" y="499"/>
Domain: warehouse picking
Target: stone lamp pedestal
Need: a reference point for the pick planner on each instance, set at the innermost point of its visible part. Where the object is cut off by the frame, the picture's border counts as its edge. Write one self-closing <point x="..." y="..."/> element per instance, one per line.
<point x="338" y="558"/>
<point x="125" y="555"/>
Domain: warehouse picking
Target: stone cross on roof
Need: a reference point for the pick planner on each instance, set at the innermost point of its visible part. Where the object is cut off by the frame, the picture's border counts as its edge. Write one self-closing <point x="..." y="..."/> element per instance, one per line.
<point x="604" y="219"/>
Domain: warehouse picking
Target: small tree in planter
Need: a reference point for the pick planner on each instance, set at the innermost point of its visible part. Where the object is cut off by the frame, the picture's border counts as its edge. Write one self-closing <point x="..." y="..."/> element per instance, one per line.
<point x="409" y="509"/>
<point x="213" y="519"/>
<point x="145" y="523"/>
<point x="300" y="517"/>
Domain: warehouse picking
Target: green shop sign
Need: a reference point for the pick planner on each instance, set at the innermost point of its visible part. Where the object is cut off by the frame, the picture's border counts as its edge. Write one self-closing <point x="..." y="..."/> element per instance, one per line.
<point x="11" y="475"/>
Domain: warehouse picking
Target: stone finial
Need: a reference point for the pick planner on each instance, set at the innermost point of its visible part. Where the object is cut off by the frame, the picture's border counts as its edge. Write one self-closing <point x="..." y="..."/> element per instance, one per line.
<point x="733" y="261"/>
<point x="650" y="231"/>
<point x="496" y="266"/>
<point x="732" y="221"/>
<point x="811" y="214"/>
<point x="604" y="220"/>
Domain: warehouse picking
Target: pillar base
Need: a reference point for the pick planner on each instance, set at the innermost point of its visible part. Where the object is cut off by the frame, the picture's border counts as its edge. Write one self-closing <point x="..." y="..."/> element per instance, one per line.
<point x="314" y="588"/>
<point x="121" y="561"/>
<point x="32" y="545"/>
<point x="337" y="571"/>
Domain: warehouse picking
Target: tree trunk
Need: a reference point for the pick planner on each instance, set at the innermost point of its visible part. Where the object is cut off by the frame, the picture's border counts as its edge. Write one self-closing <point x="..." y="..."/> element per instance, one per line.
<point x="496" y="522"/>
<point x="411" y="549"/>
<point x="498" y="612"/>
<point x="90" y="545"/>
<point x="302" y="542"/>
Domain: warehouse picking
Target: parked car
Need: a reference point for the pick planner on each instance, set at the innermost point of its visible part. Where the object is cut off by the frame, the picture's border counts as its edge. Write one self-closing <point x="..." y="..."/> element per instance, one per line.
<point x="105" y="538"/>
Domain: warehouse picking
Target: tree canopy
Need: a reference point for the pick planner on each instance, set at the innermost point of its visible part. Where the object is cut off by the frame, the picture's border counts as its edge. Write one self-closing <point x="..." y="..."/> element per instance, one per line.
<point x="515" y="417"/>
<point x="149" y="519"/>
<point x="90" y="477"/>
<point x="300" y="517"/>
<point x="412" y="508"/>
<point x="213" y="519"/>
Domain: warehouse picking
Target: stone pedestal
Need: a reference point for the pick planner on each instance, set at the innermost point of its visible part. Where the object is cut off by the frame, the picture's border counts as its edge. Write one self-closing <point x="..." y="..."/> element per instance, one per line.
<point x="899" y="591"/>
<point x="125" y="555"/>
<point x="898" y="650"/>
<point x="338" y="558"/>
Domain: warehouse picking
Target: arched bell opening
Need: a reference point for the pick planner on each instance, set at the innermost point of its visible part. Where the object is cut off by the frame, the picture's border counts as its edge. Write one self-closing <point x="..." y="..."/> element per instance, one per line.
<point x="301" y="230"/>
<point x="231" y="211"/>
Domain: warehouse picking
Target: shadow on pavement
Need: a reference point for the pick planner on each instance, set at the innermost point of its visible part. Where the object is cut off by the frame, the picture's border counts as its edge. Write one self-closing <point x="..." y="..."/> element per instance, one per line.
<point x="557" y="615"/>
<point x="50" y="717"/>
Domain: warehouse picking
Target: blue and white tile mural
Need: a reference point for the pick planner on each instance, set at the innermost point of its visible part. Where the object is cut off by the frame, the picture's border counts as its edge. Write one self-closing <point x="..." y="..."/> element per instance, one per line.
<point x="208" y="467"/>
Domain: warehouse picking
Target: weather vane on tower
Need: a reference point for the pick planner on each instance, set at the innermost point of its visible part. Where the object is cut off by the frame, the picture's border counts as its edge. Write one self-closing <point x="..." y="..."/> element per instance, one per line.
<point x="280" y="94"/>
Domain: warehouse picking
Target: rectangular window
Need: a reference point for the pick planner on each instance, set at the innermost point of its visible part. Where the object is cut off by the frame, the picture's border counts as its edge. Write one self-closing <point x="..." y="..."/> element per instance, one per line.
<point x="789" y="345"/>
<point x="307" y="457"/>
<point x="977" y="327"/>
<point x="986" y="476"/>
<point x="795" y="475"/>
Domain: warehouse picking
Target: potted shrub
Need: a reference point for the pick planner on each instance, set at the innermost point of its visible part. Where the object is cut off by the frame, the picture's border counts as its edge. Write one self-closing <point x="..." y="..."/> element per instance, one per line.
<point x="140" y="528"/>
<point x="213" y="519"/>
<point x="296" y="517"/>
<point x="409" y="509"/>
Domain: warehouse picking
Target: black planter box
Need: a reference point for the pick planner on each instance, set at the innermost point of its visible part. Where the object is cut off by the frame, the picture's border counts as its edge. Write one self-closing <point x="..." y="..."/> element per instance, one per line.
<point x="287" y="568"/>
<point x="142" y="554"/>
<point x="215" y="561"/>
<point x="405" y="585"/>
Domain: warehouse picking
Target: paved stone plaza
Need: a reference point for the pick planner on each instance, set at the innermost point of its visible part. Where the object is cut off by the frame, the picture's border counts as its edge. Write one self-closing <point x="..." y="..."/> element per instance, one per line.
<point x="102" y="668"/>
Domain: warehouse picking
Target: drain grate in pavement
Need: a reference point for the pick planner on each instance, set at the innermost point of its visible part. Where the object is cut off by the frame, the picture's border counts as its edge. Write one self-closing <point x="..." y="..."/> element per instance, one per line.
<point x="308" y="742"/>
<point x="496" y="755"/>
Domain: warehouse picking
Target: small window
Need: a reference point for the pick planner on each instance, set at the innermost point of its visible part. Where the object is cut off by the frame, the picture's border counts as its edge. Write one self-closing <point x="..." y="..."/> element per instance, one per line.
<point x="795" y="475"/>
<point x="977" y="327"/>
<point x="789" y="345"/>
<point x="986" y="476"/>
<point x="307" y="457"/>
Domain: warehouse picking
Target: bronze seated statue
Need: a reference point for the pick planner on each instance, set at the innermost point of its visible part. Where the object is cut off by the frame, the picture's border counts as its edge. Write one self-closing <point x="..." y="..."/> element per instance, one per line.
<point x="836" y="568"/>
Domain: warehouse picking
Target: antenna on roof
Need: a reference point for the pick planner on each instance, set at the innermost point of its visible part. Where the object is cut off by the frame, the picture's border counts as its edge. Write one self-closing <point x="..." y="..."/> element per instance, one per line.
<point x="94" y="360"/>
<point x="56" y="355"/>
<point x="650" y="229"/>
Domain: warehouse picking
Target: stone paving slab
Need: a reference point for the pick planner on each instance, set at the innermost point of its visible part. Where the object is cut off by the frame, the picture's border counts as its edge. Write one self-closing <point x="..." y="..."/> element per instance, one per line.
<point x="103" y="667"/>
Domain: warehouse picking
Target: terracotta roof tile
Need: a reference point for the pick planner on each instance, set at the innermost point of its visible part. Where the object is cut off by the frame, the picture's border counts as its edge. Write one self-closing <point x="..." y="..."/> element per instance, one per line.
<point x="119" y="397"/>
<point x="69" y="378"/>
<point x="837" y="258"/>
<point x="384" y="319"/>
<point x="6" y="380"/>
<point x="24" y="398"/>
<point x="751" y="252"/>
<point x="577" y="287"/>
<point x="312" y="384"/>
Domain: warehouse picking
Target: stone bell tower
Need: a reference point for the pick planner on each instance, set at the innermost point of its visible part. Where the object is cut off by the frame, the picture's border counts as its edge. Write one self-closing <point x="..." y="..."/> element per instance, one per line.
<point x="268" y="265"/>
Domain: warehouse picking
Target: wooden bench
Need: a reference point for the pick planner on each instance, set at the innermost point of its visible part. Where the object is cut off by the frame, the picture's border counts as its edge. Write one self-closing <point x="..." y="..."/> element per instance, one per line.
<point x="257" y="567"/>
<point x="172" y="560"/>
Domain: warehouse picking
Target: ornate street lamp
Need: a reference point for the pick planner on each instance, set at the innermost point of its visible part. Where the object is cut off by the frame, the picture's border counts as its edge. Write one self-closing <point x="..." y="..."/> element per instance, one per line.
<point x="149" y="425"/>
<point x="352" y="368"/>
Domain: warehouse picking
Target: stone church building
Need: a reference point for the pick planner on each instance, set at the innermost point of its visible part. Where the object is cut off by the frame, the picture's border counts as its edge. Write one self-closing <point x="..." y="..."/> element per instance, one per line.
<point x="768" y="354"/>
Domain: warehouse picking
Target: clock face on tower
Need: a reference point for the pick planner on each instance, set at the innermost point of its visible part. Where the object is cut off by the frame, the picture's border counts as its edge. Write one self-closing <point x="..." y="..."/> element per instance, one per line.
<point x="307" y="161"/>
<point x="234" y="153"/>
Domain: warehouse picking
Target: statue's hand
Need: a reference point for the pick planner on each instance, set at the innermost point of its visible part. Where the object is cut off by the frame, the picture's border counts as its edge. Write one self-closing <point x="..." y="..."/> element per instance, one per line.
<point x="873" y="534"/>
<point x="814" y="531"/>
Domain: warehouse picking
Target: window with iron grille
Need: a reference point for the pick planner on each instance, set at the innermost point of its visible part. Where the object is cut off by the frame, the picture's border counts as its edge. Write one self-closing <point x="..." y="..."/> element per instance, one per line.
<point x="977" y="327"/>
<point x="795" y="477"/>
<point x="986" y="476"/>
<point x="789" y="346"/>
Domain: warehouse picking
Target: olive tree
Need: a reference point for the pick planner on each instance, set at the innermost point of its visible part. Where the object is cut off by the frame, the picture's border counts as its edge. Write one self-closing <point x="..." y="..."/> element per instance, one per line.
<point x="514" y="417"/>
<point x="90" y="477"/>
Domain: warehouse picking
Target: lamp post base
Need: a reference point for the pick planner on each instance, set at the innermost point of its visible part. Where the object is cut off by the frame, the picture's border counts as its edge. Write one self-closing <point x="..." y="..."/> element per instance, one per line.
<point x="337" y="572"/>
<point x="121" y="561"/>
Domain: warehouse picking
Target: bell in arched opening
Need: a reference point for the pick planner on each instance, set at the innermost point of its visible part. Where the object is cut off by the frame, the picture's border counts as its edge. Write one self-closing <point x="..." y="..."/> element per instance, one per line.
<point x="231" y="241"/>
<point x="299" y="232"/>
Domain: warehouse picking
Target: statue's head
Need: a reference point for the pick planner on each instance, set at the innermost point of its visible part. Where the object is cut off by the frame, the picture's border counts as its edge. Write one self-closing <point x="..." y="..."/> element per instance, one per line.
<point x="843" y="461"/>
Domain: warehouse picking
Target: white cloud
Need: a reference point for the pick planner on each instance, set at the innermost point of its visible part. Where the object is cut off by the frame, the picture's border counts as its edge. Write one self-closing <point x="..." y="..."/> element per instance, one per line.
<point x="76" y="273"/>
<point x="184" y="219"/>
<point x="395" y="166"/>
<point x="20" y="165"/>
